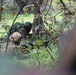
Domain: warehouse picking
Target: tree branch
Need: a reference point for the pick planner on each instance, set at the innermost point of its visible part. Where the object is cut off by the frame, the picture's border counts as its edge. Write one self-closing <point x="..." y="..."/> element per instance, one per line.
<point x="13" y="24"/>
<point x="65" y="8"/>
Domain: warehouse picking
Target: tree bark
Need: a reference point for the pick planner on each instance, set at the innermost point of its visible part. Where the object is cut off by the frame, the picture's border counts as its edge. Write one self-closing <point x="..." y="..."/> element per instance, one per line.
<point x="37" y="18"/>
<point x="1" y="9"/>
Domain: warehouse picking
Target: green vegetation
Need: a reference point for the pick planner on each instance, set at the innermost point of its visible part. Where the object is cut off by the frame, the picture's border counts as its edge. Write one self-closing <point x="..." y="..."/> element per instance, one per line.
<point x="8" y="21"/>
<point x="56" y="23"/>
<point x="43" y="57"/>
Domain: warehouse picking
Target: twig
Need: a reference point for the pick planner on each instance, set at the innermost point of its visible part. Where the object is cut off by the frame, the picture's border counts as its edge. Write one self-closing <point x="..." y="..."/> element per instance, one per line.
<point x="50" y="55"/>
<point x="37" y="58"/>
<point x="49" y="6"/>
<point x="45" y="6"/>
<point x="65" y="8"/>
<point x="59" y="13"/>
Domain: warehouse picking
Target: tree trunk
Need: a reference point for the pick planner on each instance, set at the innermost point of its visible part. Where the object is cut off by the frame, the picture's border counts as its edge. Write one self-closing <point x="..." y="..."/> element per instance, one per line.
<point x="1" y="9"/>
<point x="37" y="16"/>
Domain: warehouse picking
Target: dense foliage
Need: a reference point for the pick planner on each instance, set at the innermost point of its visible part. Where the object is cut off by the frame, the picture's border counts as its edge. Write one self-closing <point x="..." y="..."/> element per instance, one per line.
<point x="50" y="18"/>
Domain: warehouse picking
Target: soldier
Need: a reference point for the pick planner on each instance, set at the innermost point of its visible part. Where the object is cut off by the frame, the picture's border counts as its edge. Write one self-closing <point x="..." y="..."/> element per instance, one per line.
<point x="19" y="31"/>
